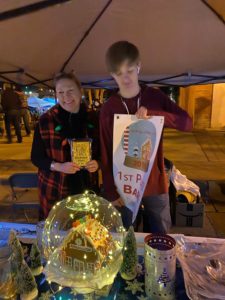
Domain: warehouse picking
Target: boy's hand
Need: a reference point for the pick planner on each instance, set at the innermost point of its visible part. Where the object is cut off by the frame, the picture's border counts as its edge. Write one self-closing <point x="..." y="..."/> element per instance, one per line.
<point x="118" y="202"/>
<point x="142" y="113"/>
<point x="92" y="166"/>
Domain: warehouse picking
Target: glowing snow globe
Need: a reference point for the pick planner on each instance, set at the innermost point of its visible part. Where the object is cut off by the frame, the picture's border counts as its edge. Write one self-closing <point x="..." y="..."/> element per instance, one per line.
<point x="82" y="240"/>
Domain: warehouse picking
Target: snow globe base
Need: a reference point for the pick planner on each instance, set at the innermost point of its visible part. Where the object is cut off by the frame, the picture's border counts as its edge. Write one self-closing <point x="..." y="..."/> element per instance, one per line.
<point x="32" y="295"/>
<point x="103" y="292"/>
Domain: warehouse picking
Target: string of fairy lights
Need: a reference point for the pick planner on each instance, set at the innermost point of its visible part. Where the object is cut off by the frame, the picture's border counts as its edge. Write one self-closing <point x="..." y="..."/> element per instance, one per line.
<point x="85" y="204"/>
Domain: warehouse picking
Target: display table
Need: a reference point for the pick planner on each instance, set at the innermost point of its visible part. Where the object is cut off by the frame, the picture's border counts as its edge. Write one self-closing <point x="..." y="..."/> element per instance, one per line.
<point x="121" y="289"/>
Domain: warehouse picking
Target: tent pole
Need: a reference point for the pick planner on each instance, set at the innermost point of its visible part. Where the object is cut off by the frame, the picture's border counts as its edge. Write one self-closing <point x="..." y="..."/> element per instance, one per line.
<point x="11" y="72"/>
<point x="39" y="81"/>
<point x="32" y="77"/>
<point x="85" y="35"/>
<point x="24" y="10"/>
<point x="9" y="80"/>
<point x="214" y="11"/>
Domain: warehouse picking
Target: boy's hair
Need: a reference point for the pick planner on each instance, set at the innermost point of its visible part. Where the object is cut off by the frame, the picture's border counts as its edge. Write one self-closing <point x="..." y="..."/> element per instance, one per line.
<point x="119" y="52"/>
<point x="70" y="76"/>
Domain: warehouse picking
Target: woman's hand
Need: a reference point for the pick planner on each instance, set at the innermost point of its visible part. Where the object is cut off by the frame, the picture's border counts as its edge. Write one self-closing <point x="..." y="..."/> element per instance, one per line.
<point x="142" y="113"/>
<point x="92" y="166"/>
<point x="67" y="167"/>
<point x="118" y="202"/>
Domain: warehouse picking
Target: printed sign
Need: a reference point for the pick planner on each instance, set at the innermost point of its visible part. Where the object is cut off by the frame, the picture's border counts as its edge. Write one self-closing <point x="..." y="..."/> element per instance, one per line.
<point x="80" y="151"/>
<point x="135" y="144"/>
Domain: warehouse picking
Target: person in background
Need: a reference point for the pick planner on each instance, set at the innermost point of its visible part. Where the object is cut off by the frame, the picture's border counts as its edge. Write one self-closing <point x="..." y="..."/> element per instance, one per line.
<point x="1" y="119"/>
<point x="58" y="177"/>
<point x="123" y="62"/>
<point x="24" y="111"/>
<point x="11" y="105"/>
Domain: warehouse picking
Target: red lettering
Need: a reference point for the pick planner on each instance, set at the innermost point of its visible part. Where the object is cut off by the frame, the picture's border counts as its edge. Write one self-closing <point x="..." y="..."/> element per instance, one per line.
<point x="135" y="192"/>
<point x="138" y="177"/>
<point x="127" y="189"/>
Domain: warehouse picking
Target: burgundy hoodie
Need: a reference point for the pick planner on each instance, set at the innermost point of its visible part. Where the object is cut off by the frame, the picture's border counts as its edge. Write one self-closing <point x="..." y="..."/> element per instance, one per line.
<point x="158" y="104"/>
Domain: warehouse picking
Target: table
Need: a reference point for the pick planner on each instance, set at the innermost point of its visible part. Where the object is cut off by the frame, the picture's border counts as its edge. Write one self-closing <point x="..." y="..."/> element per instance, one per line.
<point x="121" y="289"/>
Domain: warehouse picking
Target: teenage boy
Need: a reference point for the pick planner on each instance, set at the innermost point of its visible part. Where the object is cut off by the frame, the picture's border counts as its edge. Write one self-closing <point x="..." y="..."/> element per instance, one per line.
<point x="123" y="63"/>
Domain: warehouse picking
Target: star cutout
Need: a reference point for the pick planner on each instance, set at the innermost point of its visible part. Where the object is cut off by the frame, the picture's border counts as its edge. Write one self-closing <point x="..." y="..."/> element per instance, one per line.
<point x="134" y="286"/>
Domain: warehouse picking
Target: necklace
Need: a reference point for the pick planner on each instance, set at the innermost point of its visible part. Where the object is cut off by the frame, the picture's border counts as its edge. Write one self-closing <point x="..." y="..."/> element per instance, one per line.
<point x="126" y="107"/>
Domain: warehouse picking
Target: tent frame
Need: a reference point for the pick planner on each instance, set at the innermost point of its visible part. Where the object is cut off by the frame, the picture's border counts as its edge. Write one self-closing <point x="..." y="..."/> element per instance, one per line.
<point x="106" y="83"/>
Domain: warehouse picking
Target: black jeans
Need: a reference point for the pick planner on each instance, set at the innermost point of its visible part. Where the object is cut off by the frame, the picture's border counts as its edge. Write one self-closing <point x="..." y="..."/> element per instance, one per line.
<point x="126" y="215"/>
<point x="155" y="212"/>
<point x="13" y="116"/>
<point x="24" y="113"/>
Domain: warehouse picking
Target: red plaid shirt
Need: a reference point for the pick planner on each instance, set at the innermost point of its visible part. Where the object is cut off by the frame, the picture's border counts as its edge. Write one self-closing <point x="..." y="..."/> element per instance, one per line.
<point x="52" y="185"/>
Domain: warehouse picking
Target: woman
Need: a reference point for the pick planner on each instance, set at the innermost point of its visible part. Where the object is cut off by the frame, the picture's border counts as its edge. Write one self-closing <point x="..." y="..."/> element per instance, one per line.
<point x="58" y="177"/>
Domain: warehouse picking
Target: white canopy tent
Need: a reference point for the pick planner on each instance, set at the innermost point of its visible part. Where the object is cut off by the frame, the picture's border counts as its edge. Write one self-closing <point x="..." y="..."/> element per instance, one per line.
<point x="181" y="42"/>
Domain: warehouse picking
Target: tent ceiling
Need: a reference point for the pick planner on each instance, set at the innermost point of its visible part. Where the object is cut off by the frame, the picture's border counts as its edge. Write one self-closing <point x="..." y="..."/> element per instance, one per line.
<point x="218" y="6"/>
<point x="174" y="37"/>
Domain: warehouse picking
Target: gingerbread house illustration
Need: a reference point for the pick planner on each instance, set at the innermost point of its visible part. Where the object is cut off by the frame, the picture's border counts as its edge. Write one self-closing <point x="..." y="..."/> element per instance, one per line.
<point x="86" y="247"/>
<point x="146" y="150"/>
<point x="140" y="156"/>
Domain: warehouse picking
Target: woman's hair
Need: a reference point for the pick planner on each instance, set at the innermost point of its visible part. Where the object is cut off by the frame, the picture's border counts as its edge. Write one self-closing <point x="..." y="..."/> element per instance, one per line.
<point x="70" y="76"/>
<point x="120" y="52"/>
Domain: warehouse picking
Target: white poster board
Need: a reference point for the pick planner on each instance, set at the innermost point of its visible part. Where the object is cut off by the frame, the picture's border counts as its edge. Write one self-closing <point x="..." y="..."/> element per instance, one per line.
<point x="135" y="144"/>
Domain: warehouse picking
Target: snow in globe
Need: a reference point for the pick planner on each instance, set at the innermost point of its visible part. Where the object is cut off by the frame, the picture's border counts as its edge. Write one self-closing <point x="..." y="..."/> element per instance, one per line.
<point x="82" y="241"/>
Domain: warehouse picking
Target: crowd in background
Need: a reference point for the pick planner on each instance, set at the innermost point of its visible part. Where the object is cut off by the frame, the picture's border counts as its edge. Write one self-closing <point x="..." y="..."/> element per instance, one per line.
<point x="16" y="114"/>
<point x="13" y="109"/>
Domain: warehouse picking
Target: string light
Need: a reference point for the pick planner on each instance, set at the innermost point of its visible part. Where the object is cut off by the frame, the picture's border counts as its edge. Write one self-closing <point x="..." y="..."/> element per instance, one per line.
<point x="90" y="205"/>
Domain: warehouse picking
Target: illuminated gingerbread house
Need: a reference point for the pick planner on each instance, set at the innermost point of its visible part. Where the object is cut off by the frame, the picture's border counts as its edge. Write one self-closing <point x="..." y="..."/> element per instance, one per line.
<point x="86" y="247"/>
